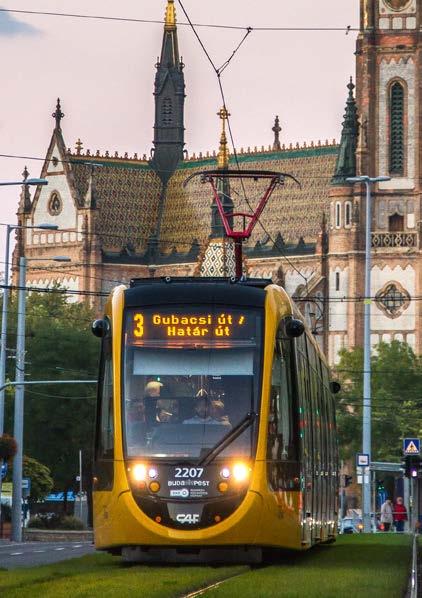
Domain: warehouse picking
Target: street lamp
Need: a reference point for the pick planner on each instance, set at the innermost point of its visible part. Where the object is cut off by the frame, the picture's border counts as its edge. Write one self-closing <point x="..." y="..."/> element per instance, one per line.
<point x="19" y="398"/>
<point x="366" y="423"/>
<point x="3" y="337"/>
<point x="35" y="182"/>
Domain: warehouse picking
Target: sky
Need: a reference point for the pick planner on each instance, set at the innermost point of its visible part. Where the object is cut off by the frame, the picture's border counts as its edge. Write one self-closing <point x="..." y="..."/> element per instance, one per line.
<point x="103" y="71"/>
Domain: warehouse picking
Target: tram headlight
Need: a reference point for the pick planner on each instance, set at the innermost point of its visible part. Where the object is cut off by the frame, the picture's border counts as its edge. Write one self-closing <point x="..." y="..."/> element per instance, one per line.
<point x="241" y="472"/>
<point x="139" y="472"/>
<point x="225" y="473"/>
<point x="152" y="473"/>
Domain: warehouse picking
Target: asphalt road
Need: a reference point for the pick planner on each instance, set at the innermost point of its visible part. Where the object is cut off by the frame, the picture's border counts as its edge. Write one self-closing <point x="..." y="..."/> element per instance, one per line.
<point x="32" y="554"/>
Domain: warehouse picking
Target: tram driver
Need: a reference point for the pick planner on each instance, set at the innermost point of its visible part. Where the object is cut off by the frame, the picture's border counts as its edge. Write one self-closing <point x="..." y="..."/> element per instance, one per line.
<point x="207" y="411"/>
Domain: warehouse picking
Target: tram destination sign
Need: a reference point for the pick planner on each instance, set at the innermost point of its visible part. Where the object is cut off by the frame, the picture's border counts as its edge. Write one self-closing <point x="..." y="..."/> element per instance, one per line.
<point x="194" y="324"/>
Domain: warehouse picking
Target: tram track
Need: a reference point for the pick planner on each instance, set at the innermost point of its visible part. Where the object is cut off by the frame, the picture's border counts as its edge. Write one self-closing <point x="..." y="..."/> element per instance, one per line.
<point x="216" y="584"/>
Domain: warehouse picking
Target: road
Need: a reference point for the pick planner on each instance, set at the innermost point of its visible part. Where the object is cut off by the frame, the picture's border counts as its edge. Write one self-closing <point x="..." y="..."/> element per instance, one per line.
<point x="32" y="554"/>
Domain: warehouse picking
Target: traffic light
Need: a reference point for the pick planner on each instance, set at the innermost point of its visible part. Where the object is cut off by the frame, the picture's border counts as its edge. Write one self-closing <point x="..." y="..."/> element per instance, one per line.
<point x="380" y="486"/>
<point x="411" y="465"/>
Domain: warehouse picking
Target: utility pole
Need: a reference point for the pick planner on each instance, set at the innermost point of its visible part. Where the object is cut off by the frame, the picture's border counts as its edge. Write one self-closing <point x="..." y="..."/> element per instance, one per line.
<point x="366" y="423"/>
<point x="80" y="484"/>
<point x="19" y="408"/>
<point x="19" y="399"/>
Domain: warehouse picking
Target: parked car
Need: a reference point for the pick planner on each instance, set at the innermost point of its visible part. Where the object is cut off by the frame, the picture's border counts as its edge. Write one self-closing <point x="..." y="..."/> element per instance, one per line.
<point x="350" y="525"/>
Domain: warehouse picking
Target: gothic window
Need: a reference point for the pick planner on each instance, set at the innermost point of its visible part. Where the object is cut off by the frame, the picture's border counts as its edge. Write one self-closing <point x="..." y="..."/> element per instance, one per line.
<point x="167" y="112"/>
<point x="55" y="204"/>
<point x="337" y="281"/>
<point x="395" y="223"/>
<point x="348" y="214"/>
<point x="397" y="129"/>
<point x="393" y="299"/>
<point x="338" y="215"/>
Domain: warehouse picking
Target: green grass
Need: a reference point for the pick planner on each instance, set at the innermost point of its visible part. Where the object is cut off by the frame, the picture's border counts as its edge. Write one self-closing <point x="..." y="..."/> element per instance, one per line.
<point x="103" y="576"/>
<point x="357" y="565"/>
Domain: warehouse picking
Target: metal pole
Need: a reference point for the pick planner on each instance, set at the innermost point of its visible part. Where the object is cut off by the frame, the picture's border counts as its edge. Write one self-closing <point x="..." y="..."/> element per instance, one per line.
<point x="3" y="339"/>
<point x="80" y="484"/>
<point x="19" y="408"/>
<point x="3" y="342"/>
<point x="366" y="427"/>
<point x="238" y="257"/>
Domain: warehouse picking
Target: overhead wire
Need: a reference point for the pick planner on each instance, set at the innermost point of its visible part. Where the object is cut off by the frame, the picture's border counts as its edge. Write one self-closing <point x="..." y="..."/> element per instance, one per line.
<point x="345" y="29"/>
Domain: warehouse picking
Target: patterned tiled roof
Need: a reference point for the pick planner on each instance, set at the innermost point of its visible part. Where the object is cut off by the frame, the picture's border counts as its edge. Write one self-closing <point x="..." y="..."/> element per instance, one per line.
<point x="126" y="195"/>
<point x="293" y="211"/>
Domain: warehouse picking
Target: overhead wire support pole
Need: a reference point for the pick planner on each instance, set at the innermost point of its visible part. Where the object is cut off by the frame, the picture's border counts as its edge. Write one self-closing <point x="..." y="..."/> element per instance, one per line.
<point x="367" y="407"/>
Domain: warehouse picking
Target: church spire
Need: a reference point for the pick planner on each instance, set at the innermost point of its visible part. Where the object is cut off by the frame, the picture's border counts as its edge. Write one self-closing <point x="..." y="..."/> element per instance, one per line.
<point x="277" y="130"/>
<point x="58" y="115"/>
<point x="169" y="95"/>
<point x="223" y="154"/>
<point x="223" y="184"/>
<point x="170" y="22"/>
<point x="346" y="160"/>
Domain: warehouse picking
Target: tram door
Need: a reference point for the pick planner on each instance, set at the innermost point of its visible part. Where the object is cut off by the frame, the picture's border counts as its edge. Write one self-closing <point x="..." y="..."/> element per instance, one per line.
<point x="306" y="440"/>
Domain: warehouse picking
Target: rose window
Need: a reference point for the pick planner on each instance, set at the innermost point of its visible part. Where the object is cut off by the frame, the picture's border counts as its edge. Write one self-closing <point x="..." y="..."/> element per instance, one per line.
<point x="393" y="299"/>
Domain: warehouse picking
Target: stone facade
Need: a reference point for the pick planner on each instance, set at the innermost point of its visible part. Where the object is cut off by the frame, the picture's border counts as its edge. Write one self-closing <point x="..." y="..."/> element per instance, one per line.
<point x="123" y="217"/>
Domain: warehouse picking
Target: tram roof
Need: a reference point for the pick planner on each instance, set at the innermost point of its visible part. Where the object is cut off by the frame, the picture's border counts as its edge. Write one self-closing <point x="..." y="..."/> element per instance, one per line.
<point x="185" y="290"/>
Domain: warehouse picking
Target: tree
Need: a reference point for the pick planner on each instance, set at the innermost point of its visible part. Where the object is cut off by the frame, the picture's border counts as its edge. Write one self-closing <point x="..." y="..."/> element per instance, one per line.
<point x="59" y="419"/>
<point x="396" y="400"/>
<point x="40" y="476"/>
<point x="8" y="447"/>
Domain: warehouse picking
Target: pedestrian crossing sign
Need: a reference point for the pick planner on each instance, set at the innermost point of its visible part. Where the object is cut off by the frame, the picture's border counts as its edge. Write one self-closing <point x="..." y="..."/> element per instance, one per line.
<point x="411" y="446"/>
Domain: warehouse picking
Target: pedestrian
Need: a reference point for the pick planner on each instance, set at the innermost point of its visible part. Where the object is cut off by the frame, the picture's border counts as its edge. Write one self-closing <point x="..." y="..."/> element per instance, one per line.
<point x="399" y="514"/>
<point x="387" y="515"/>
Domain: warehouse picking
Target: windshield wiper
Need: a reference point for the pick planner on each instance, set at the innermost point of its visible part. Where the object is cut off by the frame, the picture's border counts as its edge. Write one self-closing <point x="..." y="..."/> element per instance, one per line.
<point x="228" y="439"/>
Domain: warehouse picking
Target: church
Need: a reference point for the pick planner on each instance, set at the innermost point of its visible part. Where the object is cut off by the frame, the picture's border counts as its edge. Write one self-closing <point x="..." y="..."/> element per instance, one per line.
<point x="121" y="217"/>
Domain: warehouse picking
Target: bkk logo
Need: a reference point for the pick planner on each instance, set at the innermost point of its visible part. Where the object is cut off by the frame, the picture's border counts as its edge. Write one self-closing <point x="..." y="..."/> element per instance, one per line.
<point x="183" y="493"/>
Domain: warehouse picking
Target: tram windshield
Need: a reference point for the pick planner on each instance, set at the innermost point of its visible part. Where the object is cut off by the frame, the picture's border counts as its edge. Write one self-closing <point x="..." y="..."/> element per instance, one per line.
<point x="191" y="375"/>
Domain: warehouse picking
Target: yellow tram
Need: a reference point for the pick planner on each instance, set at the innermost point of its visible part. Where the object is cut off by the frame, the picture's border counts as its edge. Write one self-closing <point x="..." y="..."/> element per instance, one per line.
<point x="215" y="423"/>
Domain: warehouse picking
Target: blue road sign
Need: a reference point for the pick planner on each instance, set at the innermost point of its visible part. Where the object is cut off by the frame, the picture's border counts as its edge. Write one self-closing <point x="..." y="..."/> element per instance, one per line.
<point x="411" y="446"/>
<point x="3" y="470"/>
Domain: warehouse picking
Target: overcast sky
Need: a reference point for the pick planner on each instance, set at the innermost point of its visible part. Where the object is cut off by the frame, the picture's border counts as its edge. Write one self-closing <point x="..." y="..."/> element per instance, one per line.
<point x="103" y="72"/>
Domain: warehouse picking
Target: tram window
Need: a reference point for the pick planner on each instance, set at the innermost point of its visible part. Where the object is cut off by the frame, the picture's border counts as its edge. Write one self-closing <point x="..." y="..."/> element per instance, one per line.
<point x="190" y="365"/>
<point x="281" y="435"/>
<point x="105" y="430"/>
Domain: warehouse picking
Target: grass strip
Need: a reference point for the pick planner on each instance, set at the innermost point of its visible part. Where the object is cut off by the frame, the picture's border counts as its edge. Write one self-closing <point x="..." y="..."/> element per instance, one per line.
<point x="106" y="576"/>
<point x="359" y="565"/>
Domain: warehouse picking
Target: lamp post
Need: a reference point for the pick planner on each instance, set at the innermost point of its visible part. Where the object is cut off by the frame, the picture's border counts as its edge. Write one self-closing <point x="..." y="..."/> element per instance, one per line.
<point x="19" y="398"/>
<point x="366" y="422"/>
<point x="3" y="337"/>
<point x="35" y="182"/>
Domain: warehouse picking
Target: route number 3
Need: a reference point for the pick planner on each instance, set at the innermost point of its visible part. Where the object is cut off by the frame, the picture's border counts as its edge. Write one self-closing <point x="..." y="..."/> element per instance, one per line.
<point x="139" y="325"/>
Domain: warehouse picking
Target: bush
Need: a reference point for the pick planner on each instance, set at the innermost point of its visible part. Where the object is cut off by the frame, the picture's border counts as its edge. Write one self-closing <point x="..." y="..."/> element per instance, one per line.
<point x="71" y="523"/>
<point x="54" y="521"/>
<point x="37" y="523"/>
<point x="44" y="521"/>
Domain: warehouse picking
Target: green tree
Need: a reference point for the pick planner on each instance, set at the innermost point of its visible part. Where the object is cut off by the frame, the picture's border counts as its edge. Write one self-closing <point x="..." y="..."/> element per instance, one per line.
<point x="59" y="419"/>
<point x="40" y="476"/>
<point x="396" y="400"/>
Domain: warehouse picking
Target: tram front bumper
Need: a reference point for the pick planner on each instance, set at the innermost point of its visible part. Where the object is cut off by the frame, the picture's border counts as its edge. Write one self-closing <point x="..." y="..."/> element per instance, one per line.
<point x="127" y="525"/>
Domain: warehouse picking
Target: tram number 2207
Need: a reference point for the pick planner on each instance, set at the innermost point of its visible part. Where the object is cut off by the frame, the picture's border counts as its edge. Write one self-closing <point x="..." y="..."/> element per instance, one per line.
<point x="188" y="472"/>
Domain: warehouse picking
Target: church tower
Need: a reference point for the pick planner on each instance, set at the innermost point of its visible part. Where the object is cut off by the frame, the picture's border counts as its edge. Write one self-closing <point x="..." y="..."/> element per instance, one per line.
<point x="388" y="83"/>
<point x="169" y="102"/>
